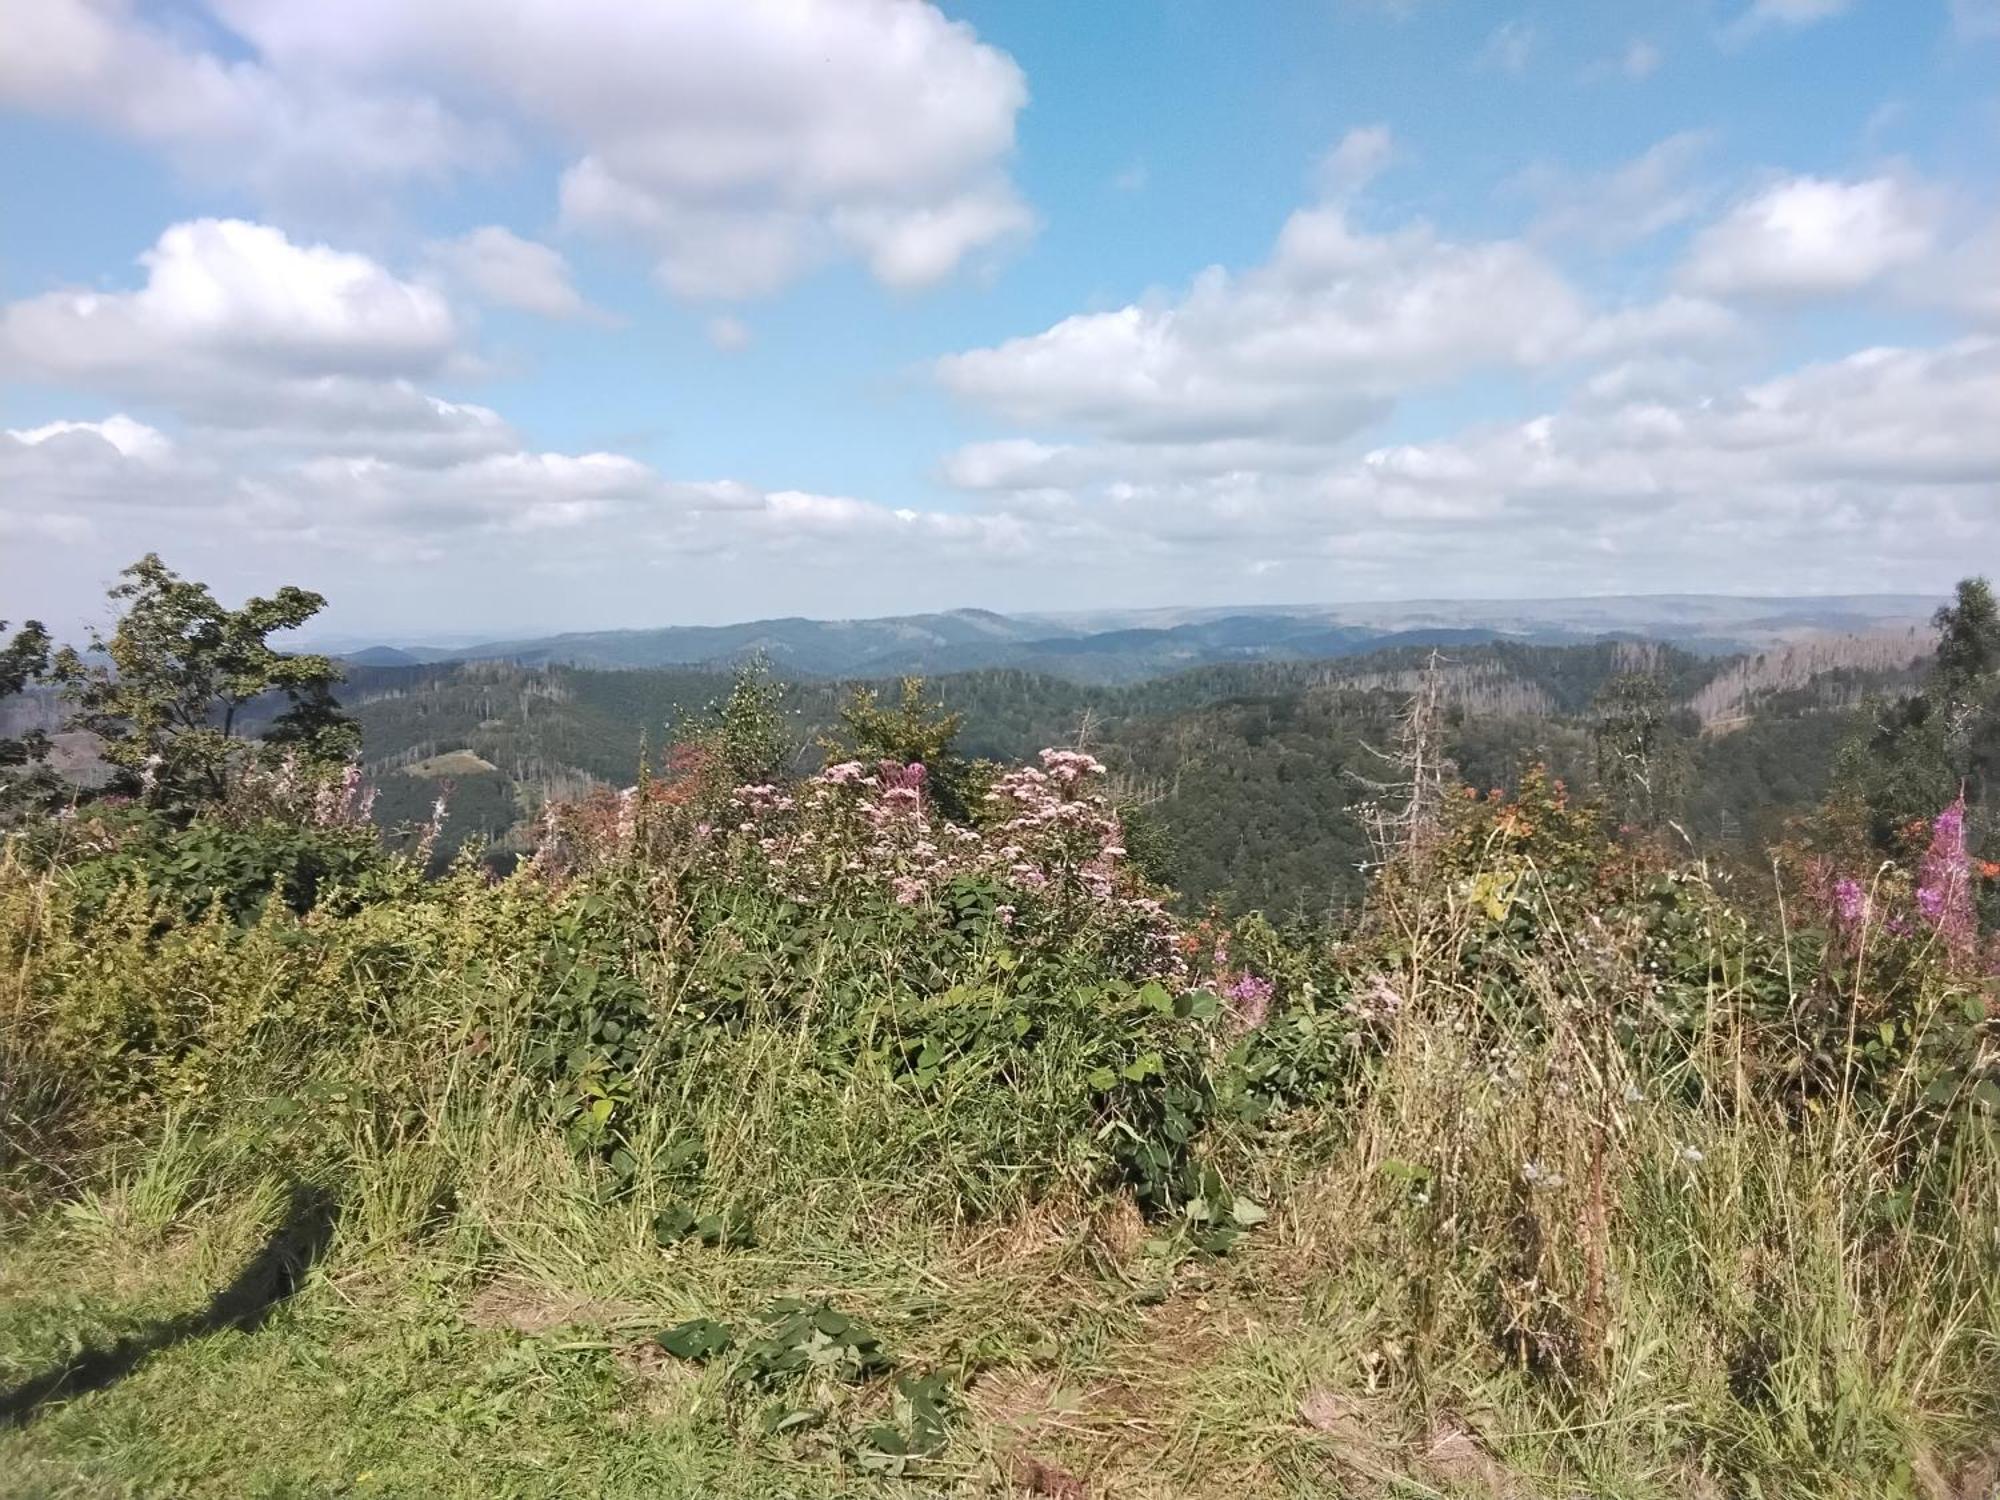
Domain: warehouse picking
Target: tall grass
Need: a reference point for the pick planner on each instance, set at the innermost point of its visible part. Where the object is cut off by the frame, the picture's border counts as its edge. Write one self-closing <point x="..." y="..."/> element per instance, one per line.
<point x="1556" y="1207"/>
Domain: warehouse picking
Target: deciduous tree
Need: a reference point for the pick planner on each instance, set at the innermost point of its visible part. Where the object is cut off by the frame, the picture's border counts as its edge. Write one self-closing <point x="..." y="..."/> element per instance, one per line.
<point x="178" y="672"/>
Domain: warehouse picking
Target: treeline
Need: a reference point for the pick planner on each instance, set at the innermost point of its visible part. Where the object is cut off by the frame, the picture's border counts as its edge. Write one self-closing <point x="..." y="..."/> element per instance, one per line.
<point x="1247" y="776"/>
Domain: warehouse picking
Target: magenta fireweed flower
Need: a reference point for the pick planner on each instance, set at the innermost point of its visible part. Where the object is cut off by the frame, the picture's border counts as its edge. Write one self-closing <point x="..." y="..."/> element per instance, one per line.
<point x="1850" y="902"/>
<point x="1249" y="999"/>
<point x="1944" y="887"/>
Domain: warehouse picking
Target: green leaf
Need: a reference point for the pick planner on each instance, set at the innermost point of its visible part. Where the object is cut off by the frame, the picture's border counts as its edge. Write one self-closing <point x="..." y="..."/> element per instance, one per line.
<point x="699" y="1340"/>
<point x="672" y="1224"/>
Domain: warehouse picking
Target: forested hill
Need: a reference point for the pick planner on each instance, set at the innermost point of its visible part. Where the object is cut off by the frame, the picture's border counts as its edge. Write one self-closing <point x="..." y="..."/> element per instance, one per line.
<point x="1111" y="647"/>
<point x="1246" y="776"/>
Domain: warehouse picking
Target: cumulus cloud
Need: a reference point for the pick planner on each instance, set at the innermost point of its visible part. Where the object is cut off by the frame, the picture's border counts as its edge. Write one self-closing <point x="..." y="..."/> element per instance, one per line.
<point x="125" y="437"/>
<point x="224" y="294"/>
<point x="1650" y="470"/>
<point x="224" y="117"/>
<point x="505" y="269"/>
<point x="1313" y="344"/>
<point x="1812" y="237"/>
<point x="740" y="141"/>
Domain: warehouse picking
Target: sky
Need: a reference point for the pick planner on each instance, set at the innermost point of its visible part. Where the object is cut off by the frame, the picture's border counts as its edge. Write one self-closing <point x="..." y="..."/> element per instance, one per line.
<point x="523" y="315"/>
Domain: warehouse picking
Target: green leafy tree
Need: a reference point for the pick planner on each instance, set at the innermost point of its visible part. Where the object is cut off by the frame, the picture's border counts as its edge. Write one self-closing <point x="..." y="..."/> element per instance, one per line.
<point x="182" y="670"/>
<point x="916" y="729"/>
<point x="748" y="736"/>
<point x="23" y="780"/>
<point x="1918" y="753"/>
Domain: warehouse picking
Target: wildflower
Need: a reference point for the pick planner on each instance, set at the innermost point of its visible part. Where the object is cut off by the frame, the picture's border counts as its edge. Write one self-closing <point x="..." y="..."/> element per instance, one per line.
<point x="1944" y="886"/>
<point x="1249" y="1000"/>
<point x="1378" y="1002"/>
<point x="1850" y="902"/>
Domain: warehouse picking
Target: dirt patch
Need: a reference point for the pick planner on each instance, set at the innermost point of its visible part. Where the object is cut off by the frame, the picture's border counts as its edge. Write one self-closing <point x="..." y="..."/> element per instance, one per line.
<point x="1358" y="1438"/>
<point x="662" y="1388"/>
<point x="1119" y="1228"/>
<point x="1455" y="1457"/>
<point x="1973" y="1478"/>
<point x="1038" y="1476"/>
<point x="530" y="1308"/>
<point x="1014" y="1403"/>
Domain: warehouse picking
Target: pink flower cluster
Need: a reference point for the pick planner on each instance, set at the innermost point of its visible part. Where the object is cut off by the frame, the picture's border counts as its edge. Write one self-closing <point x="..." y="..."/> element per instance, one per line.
<point x="1941" y="903"/>
<point x="1249" y="1001"/>
<point x="1944" y="887"/>
<point x="1050" y="836"/>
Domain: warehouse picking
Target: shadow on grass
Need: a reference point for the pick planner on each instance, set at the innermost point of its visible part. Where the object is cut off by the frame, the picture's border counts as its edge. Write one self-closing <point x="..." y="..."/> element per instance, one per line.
<point x="271" y="1276"/>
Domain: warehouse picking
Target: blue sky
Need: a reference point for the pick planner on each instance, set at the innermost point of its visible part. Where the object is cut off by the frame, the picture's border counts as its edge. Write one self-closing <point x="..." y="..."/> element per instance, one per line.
<point x="527" y="315"/>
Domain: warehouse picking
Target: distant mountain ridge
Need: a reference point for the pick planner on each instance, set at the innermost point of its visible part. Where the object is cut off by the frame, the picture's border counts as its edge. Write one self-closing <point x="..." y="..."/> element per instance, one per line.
<point x="1120" y="646"/>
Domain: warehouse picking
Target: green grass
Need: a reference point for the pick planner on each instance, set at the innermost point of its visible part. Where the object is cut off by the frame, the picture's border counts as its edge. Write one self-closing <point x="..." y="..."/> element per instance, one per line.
<point x="1517" y="1244"/>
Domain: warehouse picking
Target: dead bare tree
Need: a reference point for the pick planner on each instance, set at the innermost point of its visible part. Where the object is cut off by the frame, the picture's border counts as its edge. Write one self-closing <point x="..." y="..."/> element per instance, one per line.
<point x="1404" y="812"/>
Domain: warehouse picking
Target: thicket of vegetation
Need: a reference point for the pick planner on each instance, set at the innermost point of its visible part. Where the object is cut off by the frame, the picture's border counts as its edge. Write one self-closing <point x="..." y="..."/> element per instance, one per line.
<point x="1248" y="779"/>
<point x="877" y="1125"/>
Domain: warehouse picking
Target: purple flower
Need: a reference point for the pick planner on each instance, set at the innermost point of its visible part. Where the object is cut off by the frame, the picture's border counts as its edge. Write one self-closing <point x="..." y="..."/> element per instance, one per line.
<point x="1850" y="902"/>
<point x="1249" y="1000"/>
<point x="1944" y="887"/>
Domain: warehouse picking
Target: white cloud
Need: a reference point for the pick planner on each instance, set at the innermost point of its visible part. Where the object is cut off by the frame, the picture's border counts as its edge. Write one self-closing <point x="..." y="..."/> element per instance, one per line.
<point x="1812" y="237"/>
<point x="1356" y="160"/>
<point x="1311" y="345"/>
<point x="226" y="117"/>
<point x="127" y="438"/>
<point x="916" y="245"/>
<point x="1636" y="200"/>
<point x="503" y="268"/>
<point x="226" y="294"/>
<point x="257" y="342"/>
<point x="1651" y="474"/>
<point x="1766" y="14"/>
<point x="1509" y="48"/>
<point x="1642" y="60"/>
<point x="57" y="479"/>
<point x="728" y="334"/>
<point x="741" y="141"/>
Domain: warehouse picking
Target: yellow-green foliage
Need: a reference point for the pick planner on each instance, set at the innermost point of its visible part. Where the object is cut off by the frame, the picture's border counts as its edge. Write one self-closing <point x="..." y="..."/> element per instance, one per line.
<point x="1557" y="1163"/>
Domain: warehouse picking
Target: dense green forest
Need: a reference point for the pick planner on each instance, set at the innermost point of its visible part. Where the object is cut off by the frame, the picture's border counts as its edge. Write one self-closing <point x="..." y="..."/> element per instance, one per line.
<point x="1249" y="774"/>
